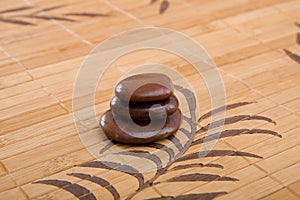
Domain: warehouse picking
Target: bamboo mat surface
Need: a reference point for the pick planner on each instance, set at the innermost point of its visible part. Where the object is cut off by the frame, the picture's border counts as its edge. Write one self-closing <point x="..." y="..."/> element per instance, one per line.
<point x="256" y="47"/>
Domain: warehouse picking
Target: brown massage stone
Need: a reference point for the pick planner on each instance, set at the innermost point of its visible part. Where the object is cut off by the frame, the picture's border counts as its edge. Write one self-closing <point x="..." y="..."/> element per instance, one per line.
<point x="154" y="87"/>
<point x="114" y="133"/>
<point x="142" y="94"/>
<point x="140" y="110"/>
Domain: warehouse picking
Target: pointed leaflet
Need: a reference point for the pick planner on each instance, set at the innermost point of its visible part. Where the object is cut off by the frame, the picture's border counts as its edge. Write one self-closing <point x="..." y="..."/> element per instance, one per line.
<point x="226" y="107"/>
<point x="99" y="181"/>
<point x="15" y="21"/>
<point x="217" y="153"/>
<point x="293" y="56"/>
<point x="264" y="131"/>
<point x="186" y="132"/>
<point x="107" y="147"/>
<point x="163" y="147"/>
<point x="163" y="6"/>
<point x="16" y="9"/>
<point x="201" y="196"/>
<point x="201" y="177"/>
<point x="51" y="18"/>
<point x="143" y="154"/>
<point x="75" y="189"/>
<point x="235" y="119"/>
<point x="116" y="167"/>
<point x="234" y="132"/>
<point x="214" y="136"/>
<point x="153" y="1"/>
<point x="47" y="9"/>
<point x="187" y="166"/>
<point x="53" y="8"/>
<point x="87" y="14"/>
<point x="176" y="142"/>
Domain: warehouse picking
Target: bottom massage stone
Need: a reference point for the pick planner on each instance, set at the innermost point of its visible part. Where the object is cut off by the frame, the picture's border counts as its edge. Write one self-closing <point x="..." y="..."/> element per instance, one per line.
<point x="112" y="131"/>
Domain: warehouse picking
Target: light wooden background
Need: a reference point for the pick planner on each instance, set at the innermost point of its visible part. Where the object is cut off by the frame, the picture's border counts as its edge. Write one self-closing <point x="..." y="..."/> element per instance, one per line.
<point x="246" y="39"/>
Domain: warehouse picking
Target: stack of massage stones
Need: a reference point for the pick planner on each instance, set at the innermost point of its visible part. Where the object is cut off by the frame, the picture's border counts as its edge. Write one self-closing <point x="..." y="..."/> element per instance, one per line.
<point x="136" y="97"/>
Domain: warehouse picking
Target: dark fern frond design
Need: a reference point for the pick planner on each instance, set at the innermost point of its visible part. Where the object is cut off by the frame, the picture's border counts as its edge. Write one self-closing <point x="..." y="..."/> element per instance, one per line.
<point x="165" y="148"/>
<point x="176" y="148"/>
<point x="99" y="181"/>
<point x="214" y="165"/>
<point x="235" y="119"/>
<point x="194" y="165"/>
<point x="290" y="54"/>
<point x="201" y="177"/>
<point x="176" y="142"/>
<point x="143" y="154"/>
<point x="220" y="153"/>
<point x="78" y="191"/>
<point x="192" y="104"/>
<point x="16" y="9"/>
<point x="107" y="147"/>
<point x="217" y="153"/>
<point x="226" y="133"/>
<point x="293" y="56"/>
<point x="164" y="6"/>
<point x="52" y="8"/>
<point x="87" y="14"/>
<point x="234" y="132"/>
<point x="264" y="131"/>
<point x="16" y="21"/>
<point x="51" y="18"/>
<point x="186" y="132"/>
<point x="117" y="167"/>
<point x="39" y="14"/>
<point x="153" y="1"/>
<point x="226" y="107"/>
<point x="202" y="196"/>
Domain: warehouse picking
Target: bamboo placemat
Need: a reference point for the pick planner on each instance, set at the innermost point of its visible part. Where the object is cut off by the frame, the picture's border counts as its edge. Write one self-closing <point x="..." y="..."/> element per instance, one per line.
<point x="256" y="47"/>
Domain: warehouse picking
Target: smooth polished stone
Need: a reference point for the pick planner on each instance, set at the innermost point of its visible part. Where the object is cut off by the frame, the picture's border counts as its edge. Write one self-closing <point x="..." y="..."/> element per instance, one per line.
<point x="144" y="88"/>
<point x="140" y="111"/>
<point x="113" y="132"/>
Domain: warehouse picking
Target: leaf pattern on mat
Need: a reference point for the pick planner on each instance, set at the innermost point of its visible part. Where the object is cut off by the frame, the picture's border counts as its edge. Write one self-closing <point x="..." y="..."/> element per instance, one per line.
<point x="77" y="190"/>
<point x="52" y="8"/>
<point x="16" y="9"/>
<point x="153" y="1"/>
<point x="223" y="108"/>
<point x="42" y="14"/>
<point x="116" y="167"/>
<point x="201" y="177"/>
<point x="47" y="18"/>
<point x="16" y="21"/>
<point x="84" y="14"/>
<point x="204" y="196"/>
<point x="177" y="150"/>
<point x="164" y="5"/>
<point x="290" y="54"/>
<point x="179" y="167"/>
<point x="216" y="153"/>
<point x="293" y="56"/>
<point x="232" y="133"/>
<point x="99" y="181"/>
